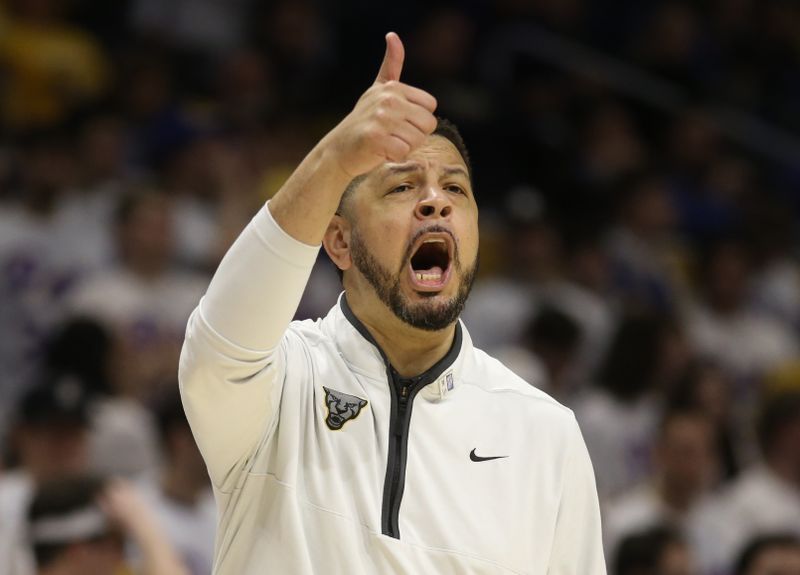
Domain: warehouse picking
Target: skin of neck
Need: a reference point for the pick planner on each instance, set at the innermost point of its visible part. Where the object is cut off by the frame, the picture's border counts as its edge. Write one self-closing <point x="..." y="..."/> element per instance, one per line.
<point x="411" y="351"/>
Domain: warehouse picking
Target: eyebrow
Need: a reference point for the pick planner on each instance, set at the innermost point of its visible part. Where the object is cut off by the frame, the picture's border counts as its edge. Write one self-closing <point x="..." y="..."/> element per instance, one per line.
<point x="415" y="167"/>
<point x="452" y="171"/>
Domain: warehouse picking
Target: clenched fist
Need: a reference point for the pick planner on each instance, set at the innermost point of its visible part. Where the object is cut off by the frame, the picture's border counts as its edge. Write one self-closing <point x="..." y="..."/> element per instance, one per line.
<point x="389" y="120"/>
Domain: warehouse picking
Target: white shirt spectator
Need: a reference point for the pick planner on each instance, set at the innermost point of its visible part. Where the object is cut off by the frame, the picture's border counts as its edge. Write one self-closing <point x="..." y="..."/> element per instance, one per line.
<point x="497" y="312"/>
<point x="16" y="491"/>
<point x="595" y="316"/>
<point x="33" y="282"/>
<point x="643" y="508"/>
<point x="619" y="437"/>
<point x="757" y="502"/>
<point x="152" y="308"/>
<point x="745" y="343"/>
<point x="776" y="290"/>
<point x="190" y="528"/>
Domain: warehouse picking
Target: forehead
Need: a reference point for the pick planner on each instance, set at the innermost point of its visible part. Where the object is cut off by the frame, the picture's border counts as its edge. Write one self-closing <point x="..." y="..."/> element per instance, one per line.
<point x="436" y="153"/>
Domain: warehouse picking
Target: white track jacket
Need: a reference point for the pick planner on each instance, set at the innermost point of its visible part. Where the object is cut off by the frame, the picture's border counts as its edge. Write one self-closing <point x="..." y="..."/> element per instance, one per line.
<point x="324" y="461"/>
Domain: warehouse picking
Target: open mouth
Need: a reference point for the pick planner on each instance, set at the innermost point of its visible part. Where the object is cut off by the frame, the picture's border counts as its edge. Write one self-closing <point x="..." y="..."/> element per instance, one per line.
<point x="430" y="262"/>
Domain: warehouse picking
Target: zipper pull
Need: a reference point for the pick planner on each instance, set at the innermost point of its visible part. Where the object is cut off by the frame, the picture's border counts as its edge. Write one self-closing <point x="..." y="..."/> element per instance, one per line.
<point x="403" y="395"/>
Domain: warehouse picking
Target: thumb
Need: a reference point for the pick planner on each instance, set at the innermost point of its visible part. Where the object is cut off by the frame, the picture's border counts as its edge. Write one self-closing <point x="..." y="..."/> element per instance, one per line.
<point x="392" y="63"/>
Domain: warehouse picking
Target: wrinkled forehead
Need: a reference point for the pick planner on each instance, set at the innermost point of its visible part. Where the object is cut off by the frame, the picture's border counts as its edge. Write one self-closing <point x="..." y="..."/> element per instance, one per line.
<point x="437" y="154"/>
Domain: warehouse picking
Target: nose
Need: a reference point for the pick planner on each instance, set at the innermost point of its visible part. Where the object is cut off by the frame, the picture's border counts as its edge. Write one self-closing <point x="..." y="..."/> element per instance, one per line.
<point x="434" y="204"/>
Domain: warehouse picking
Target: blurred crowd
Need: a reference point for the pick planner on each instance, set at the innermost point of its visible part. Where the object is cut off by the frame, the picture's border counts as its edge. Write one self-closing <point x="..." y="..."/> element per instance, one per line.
<point x="637" y="165"/>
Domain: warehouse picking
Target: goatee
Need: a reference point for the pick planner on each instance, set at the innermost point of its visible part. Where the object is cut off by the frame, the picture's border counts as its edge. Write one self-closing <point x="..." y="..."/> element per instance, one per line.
<point x="429" y="315"/>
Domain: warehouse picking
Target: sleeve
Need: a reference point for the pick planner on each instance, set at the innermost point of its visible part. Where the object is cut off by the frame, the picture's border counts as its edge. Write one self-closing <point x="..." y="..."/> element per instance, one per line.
<point x="232" y="361"/>
<point x="578" y="545"/>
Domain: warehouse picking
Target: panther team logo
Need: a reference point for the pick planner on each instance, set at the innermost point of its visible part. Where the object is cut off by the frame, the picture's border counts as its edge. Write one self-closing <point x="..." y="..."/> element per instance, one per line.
<point x="342" y="407"/>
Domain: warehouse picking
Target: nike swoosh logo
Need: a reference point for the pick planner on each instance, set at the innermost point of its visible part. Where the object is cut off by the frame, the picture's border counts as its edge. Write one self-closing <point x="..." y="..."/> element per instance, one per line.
<point x="474" y="457"/>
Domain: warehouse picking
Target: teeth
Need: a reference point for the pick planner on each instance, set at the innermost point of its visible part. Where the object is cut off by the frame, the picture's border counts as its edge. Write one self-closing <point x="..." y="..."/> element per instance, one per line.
<point x="428" y="277"/>
<point x="434" y="241"/>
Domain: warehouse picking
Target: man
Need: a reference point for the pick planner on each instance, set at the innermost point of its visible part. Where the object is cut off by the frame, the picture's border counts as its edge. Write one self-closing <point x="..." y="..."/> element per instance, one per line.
<point x="655" y="551"/>
<point x="80" y="525"/>
<point x="766" y="497"/>
<point x="180" y="494"/>
<point x="377" y="440"/>
<point x="50" y="442"/>
<point x="677" y="495"/>
<point x="142" y="298"/>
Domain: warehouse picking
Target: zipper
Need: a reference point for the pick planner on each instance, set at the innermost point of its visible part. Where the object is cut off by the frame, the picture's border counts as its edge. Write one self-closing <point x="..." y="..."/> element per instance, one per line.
<point x="403" y="392"/>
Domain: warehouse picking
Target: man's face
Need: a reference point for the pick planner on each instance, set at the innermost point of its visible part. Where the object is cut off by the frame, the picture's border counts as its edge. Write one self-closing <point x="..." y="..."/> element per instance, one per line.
<point x="414" y="236"/>
<point x="54" y="450"/>
<point x="686" y="454"/>
<point x="675" y="560"/>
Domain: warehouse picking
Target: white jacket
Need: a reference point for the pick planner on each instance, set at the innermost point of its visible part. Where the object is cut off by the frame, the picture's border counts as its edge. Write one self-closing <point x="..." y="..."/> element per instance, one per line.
<point x="319" y="466"/>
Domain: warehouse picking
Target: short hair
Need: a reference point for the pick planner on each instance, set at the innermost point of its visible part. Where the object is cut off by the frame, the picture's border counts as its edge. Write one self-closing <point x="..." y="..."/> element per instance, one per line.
<point x="82" y="346"/>
<point x="554" y="329"/>
<point x="761" y="543"/>
<point x="170" y="415"/>
<point x="630" y="363"/>
<point x="444" y="128"/>
<point x="778" y="412"/>
<point x="641" y="552"/>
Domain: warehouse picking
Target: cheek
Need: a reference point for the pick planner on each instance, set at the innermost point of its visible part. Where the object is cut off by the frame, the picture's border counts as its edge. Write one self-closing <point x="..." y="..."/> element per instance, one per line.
<point x="385" y="239"/>
<point x="469" y="241"/>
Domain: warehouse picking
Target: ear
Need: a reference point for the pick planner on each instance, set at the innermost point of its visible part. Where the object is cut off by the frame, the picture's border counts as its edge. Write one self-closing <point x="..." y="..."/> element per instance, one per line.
<point x="363" y="402"/>
<point x="337" y="242"/>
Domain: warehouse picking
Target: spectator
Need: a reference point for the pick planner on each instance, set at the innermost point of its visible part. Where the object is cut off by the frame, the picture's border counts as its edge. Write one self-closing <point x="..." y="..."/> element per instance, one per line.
<point x="644" y="252"/>
<point x="49" y="443"/>
<point x="84" y="213"/>
<point x="143" y="300"/>
<point x="722" y="325"/>
<point x="585" y="295"/>
<point x="766" y="497"/>
<point x="180" y="495"/>
<point x="123" y="439"/>
<point x="656" y="551"/>
<point x="619" y="414"/>
<point x="707" y="389"/>
<point x="35" y="273"/>
<point x="547" y="353"/>
<point x="80" y="526"/>
<point x="501" y="306"/>
<point x="684" y="467"/>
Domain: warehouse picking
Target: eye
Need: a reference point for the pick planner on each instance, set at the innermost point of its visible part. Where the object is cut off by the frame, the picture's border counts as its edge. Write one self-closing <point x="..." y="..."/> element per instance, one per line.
<point x="456" y="189"/>
<point x="401" y="188"/>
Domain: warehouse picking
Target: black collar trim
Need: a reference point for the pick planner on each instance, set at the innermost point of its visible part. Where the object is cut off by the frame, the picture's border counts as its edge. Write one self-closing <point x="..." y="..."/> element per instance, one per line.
<point x="432" y="373"/>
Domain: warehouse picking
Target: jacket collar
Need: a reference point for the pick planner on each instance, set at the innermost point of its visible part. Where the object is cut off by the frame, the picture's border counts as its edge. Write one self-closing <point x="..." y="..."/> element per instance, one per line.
<point x="360" y="350"/>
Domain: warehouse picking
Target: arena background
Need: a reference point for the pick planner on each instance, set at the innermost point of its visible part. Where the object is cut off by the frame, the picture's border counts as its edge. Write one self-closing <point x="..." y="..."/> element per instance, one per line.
<point x="637" y="166"/>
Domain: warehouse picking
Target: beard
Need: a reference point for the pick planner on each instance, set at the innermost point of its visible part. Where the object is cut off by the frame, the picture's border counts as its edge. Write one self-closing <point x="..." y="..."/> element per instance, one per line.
<point x="429" y="315"/>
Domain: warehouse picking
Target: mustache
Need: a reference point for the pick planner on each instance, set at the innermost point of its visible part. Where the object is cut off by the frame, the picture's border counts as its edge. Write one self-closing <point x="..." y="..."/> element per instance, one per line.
<point x="434" y="229"/>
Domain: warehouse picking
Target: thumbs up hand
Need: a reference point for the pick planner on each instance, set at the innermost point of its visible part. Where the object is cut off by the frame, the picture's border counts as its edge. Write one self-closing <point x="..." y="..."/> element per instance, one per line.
<point x="389" y="120"/>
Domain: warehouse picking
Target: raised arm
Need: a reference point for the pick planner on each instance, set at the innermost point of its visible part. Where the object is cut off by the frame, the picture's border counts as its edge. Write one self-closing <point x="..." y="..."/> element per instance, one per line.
<point x="231" y="370"/>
